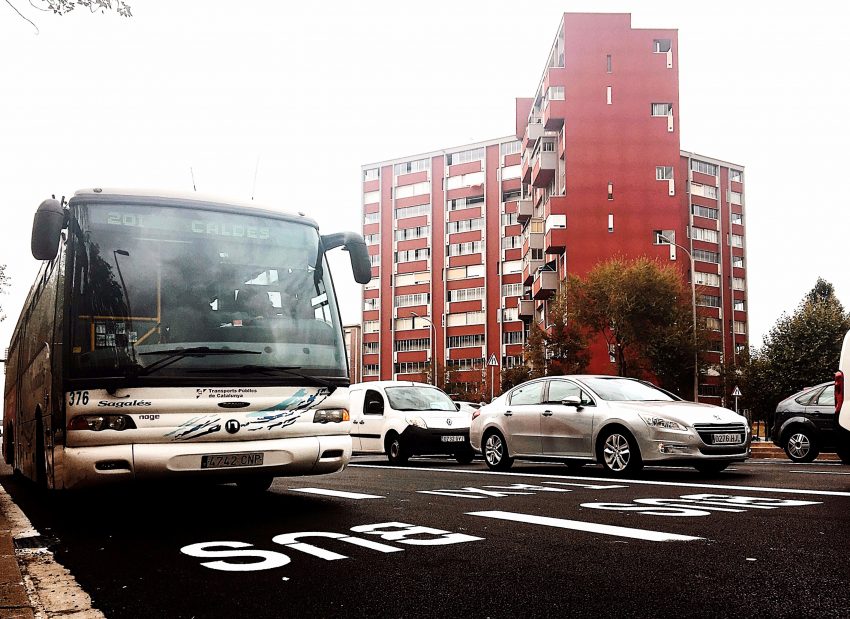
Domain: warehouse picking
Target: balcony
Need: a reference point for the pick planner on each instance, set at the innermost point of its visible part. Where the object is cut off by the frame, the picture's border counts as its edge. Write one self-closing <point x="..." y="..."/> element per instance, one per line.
<point x="556" y="241"/>
<point x="529" y="268"/>
<point x="544" y="285"/>
<point x="544" y="162"/>
<point x="526" y="166"/>
<point x="524" y="210"/>
<point x="533" y="132"/>
<point x="532" y="236"/>
<point x="526" y="309"/>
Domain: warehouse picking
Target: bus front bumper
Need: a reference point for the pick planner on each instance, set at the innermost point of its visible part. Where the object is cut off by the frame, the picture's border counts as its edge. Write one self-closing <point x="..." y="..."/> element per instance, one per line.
<point x="79" y="467"/>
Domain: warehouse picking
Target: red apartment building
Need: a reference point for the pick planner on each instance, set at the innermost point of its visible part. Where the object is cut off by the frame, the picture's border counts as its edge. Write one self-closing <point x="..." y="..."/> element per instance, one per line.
<point x="469" y="243"/>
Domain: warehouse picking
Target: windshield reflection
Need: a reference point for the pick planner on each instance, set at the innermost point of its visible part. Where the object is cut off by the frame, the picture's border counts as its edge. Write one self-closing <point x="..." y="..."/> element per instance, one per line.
<point x="147" y="280"/>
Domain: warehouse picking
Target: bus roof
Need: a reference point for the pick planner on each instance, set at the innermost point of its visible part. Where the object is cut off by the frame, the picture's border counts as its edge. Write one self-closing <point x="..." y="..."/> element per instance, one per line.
<point x="185" y="200"/>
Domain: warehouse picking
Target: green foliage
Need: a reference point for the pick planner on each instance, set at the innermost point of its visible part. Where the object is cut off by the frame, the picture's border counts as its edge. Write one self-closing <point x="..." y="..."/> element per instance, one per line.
<point x="799" y="351"/>
<point x="514" y="376"/>
<point x="62" y="7"/>
<point x="643" y="311"/>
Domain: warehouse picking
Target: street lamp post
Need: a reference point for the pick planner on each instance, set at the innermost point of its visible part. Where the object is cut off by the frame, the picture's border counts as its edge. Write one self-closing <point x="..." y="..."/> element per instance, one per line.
<point x="693" y="310"/>
<point x="432" y="347"/>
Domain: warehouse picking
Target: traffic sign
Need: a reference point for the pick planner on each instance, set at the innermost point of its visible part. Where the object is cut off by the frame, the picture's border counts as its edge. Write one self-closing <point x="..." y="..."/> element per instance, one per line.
<point x="737" y="393"/>
<point x="493" y="360"/>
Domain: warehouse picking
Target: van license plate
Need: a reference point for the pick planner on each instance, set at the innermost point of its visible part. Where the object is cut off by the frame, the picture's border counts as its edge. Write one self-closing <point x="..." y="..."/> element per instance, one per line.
<point x="451" y="439"/>
<point x="219" y="461"/>
<point x="726" y="439"/>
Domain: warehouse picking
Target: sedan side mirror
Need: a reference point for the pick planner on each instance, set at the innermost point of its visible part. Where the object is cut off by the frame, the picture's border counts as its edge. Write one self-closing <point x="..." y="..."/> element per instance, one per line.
<point x="572" y="400"/>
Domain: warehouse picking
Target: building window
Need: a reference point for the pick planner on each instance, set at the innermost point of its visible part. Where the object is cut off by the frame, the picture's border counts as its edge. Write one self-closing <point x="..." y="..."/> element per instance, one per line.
<point x="511" y="242"/>
<point x="661" y="46"/>
<point x="465" y="156"/>
<point x="411" y="279"/>
<point x="422" y="343"/>
<point x="371" y="197"/>
<point x="738" y="261"/>
<point x="547" y="146"/>
<point x="465" y="225"/>
<point x="371" y="218"/>
<point x="664" y="237"/>
<point x="510" y="314"/>
<point x="714" y="346"/>
<point x="371" y="348"/>
<point x="407" y="167"/>
<point x="737" y="218"/>
<point x="411" y="367"/>
<point x="513" y="337"/>
<point x="464" y="249"/>
<point x="371" y="304"/>
<point x="739" y="305"/>
<point x="511" y="361"/>
<point x="375" y="260"/>
<point x="466" y="318"/>
<point x="370" y="369"/>
<point x="466" y="294"/>
<point x="702" y="255"/>
<point x="412" y="211"/>
<point x="735" y="197"/>
<point x="739" y="327"/>
<point x="709" y="391"/>
<point x="512" y="290"/>
<point x="610" y="190"/>
<point x="411" y="255"/>
<point x="662" y="109"/>
<point x="713" y="324"/>
<point x="372" y="174"/>
<point x="462" y="203"/>
<point x="464" y="364"/>
<point x="704" y="211"/>
<point x="465" y="341"/>
<point x="371" y="326"/>
<point x="738" y="283"/>
<point x="509" y="219"/>
<point x="555" y="93"/>
<point x="706" y="191"/>
<point x="737" y="240"/>
<point x="663" y="173"/>
<point x="706" y="279"/>
<point x="511" y="194"/>
<point x="465" y="180"/>
<point x="608" y="64"/>
<point x="510" y="148"/>
<point x="372" y="239"/>
<point x="467" y="272"/>
<point x="417" y="232"/>
<point x="416" y="189"/>
<point x="736" y="175"/>
<point x="704" y="167"/>
<point x="704" y="234"/>
<point x="707" y="300"/>
<point x="610" y="222"/>
<point x="408" y="300"/>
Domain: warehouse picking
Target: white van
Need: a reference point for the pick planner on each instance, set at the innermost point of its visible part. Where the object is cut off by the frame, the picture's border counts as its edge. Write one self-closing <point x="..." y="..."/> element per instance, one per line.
<point x="403" y="419"/>
<point x="842" y="402"/>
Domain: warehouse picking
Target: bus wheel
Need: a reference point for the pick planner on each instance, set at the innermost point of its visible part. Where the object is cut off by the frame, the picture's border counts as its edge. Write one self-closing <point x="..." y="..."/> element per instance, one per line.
<point x="255" y="483"/>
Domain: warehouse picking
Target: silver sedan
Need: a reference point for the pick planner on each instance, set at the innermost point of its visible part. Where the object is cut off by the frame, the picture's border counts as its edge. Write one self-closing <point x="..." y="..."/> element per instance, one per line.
<point x="621" y="423"/>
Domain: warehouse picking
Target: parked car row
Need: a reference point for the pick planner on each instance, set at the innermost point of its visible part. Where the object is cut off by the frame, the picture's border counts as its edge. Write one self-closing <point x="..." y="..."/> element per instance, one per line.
<point x="621" y="423"/>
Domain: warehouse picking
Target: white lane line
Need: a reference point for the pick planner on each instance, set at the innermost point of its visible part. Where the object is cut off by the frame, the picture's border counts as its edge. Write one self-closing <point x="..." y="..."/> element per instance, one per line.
<point x="609" y="480"/>
<point x="589" y="527"/>
<point x="336" y="493"/>
<point x="819" y="472"/>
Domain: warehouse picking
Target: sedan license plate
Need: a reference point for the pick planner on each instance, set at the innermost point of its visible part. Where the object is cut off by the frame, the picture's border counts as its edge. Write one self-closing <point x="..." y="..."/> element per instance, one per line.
<point x="726" y="439"/>
<point x="218" y="461"/>
<point x="452" y="439"/>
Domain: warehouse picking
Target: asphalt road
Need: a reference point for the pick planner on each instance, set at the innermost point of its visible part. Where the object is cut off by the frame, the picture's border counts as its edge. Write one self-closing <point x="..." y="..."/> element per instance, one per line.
<point x="438" y="539"/>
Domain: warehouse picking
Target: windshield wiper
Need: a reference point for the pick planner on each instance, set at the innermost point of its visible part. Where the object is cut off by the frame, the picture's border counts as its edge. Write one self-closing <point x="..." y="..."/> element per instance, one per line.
<point x="269" y="370"/>
<point x="175" y="354"/>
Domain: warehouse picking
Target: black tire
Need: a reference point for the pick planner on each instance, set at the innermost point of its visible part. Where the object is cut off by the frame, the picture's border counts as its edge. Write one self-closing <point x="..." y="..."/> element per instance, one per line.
<point x="800" y="445"/>
<point x="466" y="456"/>
<point x="574" y="465"/>
<point x="495" y="451"/>
<point x="842" y="444"/>
<point x="710" y="468"/>
<point x="618" y="452"/>
<point x="843" y="452"/>
<point x="396" y="451"/>
<point x="255" y="483"/>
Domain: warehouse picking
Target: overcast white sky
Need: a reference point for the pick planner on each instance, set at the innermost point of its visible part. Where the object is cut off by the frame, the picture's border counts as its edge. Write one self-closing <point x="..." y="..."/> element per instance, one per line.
<point x="312" y="91"/>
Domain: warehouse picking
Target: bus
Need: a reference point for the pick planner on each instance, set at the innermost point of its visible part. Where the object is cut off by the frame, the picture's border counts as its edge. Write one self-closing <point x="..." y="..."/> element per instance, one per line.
<point x="178" y="336"/>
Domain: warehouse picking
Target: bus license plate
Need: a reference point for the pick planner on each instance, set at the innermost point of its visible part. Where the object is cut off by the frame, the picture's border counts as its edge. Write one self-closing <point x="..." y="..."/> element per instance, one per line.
<point x="726" y="439"/>
<point x="451" y="439"/>
<point x="218" y="461"/>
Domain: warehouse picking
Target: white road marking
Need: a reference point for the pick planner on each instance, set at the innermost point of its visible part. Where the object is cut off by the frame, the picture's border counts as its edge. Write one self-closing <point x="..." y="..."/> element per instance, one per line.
<point x="609" y="480"/>
<point x="819" y="472"/>
<point x="589" y="527"/>
<point x="336" y="493"/>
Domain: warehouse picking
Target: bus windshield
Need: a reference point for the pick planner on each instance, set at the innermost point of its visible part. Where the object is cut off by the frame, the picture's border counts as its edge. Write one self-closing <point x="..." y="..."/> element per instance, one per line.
<point x="169" y="291"/>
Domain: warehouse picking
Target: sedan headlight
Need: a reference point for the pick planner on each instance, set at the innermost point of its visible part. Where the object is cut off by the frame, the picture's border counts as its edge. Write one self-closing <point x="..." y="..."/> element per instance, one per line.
<point x="418" y="422"/>
<point x="661" y="422"/>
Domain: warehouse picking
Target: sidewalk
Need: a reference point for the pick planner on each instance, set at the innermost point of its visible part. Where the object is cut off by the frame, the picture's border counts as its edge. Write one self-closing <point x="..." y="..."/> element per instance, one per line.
<point x="14" y="601"/>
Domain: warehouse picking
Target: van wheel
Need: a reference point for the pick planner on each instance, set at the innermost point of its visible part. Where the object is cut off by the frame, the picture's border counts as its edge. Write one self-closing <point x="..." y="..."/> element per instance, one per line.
<point x="396" y="452"/>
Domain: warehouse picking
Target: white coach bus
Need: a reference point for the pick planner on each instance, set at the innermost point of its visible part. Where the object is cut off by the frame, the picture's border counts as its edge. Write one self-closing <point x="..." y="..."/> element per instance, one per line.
<point x="174" y="336"/>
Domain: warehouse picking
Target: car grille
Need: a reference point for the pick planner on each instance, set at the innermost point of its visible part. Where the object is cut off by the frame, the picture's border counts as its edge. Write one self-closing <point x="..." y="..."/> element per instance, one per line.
<point x="707" y="430"/>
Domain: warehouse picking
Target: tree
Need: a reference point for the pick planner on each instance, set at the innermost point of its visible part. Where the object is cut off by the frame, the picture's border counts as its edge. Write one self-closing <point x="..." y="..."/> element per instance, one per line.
<point x="799" y="351"/>
<point x="511" y="377"/>
<point x="564" y="341"/>
<point x="63" y="7"/>
<point x="642" y="310"/>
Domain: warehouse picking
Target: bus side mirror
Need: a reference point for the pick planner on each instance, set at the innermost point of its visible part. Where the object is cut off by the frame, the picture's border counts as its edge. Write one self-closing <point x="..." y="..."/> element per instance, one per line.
<point x="356" y="248"/>
<point x="46" y="229"/>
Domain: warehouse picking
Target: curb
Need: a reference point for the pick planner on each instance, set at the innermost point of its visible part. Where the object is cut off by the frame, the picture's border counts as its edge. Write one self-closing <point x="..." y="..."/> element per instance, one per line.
<point x="14" y="600"/>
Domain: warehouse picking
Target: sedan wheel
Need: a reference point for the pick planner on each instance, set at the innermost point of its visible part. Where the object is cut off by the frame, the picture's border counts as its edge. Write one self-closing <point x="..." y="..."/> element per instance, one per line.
<point x="801" y="447"/>
<point x="496" y="453"/>
<point x="619" y="453"/>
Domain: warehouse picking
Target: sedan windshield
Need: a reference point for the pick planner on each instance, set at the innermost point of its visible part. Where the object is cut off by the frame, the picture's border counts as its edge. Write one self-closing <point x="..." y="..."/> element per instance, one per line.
<point x="626" y="390"/>
<point x="168" y="292"/>
<point x="419" y="399"/>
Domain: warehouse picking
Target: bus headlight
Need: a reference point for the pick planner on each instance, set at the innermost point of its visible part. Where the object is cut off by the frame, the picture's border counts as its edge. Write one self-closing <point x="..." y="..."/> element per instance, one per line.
<point x="96" y="423"/>
<point x="333" y="415"/>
